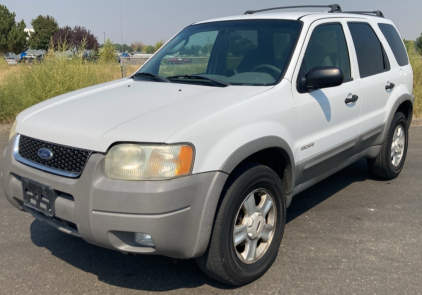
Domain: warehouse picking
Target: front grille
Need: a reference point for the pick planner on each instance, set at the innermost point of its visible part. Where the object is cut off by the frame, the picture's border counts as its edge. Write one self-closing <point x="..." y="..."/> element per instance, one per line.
<point x="64" y="158"/>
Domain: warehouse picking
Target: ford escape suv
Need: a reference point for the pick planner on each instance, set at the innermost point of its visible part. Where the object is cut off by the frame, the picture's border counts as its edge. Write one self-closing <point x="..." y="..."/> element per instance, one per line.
<point x="201" y="159"/>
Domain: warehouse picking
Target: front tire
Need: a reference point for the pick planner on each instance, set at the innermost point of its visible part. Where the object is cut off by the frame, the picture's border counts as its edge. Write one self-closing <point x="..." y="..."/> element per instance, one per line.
<point x="248" y="228"/>
<point x="390" y="161"/>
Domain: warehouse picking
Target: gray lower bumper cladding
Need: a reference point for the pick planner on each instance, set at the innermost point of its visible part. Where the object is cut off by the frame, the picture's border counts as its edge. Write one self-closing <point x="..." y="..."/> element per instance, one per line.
<point x="177" y="214"/>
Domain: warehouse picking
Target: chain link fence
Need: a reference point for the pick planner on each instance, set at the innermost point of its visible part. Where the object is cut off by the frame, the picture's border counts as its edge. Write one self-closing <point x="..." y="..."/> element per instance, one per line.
<point x="130" y="64"/>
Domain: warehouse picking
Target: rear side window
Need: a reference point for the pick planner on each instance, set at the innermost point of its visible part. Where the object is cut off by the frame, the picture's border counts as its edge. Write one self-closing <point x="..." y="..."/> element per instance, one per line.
<point x="395" y="42"/>
<point x="371" y="56"/>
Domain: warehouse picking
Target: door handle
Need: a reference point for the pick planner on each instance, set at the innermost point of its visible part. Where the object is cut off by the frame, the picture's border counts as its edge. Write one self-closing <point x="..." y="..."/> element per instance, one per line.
<point x="389" y="86"/>
<point x="352" y="99"/>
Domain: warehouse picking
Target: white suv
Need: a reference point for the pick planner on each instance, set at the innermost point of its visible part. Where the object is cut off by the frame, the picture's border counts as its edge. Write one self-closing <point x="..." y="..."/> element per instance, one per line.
<point x="201" y="159"/>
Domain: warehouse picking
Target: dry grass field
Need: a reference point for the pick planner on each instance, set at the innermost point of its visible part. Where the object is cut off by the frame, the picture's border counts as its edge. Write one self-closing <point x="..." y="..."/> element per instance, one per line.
<point x="24" y="85"/>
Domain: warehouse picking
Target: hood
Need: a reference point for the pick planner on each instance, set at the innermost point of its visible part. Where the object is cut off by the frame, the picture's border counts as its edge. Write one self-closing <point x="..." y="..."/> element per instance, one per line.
<point x="126" y="111"/>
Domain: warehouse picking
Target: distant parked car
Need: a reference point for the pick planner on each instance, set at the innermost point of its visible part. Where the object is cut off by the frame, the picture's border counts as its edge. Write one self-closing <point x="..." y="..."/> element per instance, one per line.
<point x="27" y="60"/>
<point x="123" y="55"/>
<point x="141" y="55"/>
<point x="178" y="60"/>
<point x="11" y="61"/>
<point x="30" y="55"/>
<point x="31" y="58"/>
<point x="91" y="56"/>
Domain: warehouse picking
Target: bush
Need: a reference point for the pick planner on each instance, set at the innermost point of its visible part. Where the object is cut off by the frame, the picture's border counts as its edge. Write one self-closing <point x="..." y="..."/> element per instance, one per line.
<point x="108" y="52"/>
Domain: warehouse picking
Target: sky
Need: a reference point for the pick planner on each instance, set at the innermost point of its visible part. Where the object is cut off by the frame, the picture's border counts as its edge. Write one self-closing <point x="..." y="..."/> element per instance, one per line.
<point x="151" y="21"/>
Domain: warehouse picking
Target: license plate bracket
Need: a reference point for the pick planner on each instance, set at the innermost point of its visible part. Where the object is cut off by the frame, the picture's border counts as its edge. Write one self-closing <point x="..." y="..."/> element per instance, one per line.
<point x="38" y="196"/>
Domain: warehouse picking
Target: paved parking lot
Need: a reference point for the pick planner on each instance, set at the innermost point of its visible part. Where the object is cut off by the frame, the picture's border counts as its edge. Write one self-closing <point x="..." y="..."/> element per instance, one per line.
<point x="349" y="234"/>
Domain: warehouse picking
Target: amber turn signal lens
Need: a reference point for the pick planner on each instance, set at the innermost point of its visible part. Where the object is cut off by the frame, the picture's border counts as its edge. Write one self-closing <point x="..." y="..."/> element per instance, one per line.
<point x="185" y="160"/>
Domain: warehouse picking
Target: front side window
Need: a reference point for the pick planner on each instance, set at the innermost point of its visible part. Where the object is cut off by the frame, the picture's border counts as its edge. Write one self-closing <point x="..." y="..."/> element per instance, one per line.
<point x="371" y="56"/>
<point x="253" y="52"/>
<point x="327" y="47"/>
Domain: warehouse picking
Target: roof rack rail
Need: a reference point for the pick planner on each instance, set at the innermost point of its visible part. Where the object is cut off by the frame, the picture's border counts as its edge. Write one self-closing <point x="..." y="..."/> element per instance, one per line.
<point x="334" y="8"/>
<point x="376" y="12"/>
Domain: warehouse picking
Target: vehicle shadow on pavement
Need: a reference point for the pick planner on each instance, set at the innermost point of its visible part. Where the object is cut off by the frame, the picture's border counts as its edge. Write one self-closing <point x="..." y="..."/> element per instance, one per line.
<point x="139" y="272"/>
<point x="157" y="273"/>
<point x="311" y="197"/>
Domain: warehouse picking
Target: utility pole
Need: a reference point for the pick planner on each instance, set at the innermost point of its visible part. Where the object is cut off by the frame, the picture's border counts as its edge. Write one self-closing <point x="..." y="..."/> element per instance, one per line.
<point x="121" y="25"/>
<point x="104" y="38"/>
<point x="121" y="40"/>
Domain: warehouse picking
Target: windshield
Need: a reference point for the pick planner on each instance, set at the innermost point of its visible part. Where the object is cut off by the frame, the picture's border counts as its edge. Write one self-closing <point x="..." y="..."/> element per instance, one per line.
<point x="252" y="52"/>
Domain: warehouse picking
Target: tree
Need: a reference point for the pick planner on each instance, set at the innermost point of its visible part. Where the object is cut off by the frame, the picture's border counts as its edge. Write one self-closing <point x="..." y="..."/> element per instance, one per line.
<point x="44" y="28"/>
<point x="207" y="48"/>
<point x="76" y="37"/>
<point x="12" y="34"/>
<point x="185" y="51"/>
<point x="137" y="46"/>
<point x="195" y="49"/>
<point x="119" y="47"/>
<point x="418" y="44"/>
<point x="159" y="44"/>
<point x="149" y="49"/>
<point x="108" y="52"/>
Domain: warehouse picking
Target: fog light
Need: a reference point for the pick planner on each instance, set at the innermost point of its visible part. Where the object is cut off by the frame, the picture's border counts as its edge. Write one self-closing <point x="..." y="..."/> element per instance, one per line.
<point x="144" y="240"/>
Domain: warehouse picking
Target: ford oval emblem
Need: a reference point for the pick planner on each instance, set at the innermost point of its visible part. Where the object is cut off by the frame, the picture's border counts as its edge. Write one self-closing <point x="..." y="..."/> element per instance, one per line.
<point x="45" y="154"/>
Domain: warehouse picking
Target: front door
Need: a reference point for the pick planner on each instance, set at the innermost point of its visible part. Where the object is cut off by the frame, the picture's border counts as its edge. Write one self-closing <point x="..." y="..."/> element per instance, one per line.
<point x="328" y="124"/>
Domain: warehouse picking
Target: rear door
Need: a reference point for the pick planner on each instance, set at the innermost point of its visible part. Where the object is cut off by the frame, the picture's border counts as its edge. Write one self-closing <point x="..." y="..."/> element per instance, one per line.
<point x="328" y="126"/>
<point x="376" y="78"/>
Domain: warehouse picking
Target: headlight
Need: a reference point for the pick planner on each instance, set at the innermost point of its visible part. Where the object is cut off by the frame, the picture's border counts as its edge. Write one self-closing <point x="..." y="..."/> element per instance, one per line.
<point x="12" y="130"/>
<point x="148" y="162"/>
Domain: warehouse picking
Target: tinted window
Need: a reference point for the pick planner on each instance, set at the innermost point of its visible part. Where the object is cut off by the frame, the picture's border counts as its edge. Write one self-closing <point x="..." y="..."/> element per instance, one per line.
<point x="327" y="48"/>
<point x="370" y="53"/>
<point x="395" y="42"/>
<point x="252" y="52"/>
<point x="238" y="48"/>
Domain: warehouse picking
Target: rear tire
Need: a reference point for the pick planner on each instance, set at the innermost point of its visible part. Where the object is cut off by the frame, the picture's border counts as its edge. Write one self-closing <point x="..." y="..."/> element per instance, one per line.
<point x="390" y="160"/>
<point x="253" y="207"/>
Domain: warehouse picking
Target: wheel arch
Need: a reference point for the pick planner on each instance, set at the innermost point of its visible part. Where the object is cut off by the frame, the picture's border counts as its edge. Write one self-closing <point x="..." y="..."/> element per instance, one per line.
<point x="406" y="107"/>
<point x="271" y="151"/>
<point x="403" y="104"/>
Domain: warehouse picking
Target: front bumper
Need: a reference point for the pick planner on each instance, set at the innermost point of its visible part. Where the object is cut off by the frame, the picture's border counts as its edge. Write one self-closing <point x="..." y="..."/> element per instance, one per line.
<point x="178" y="213"/>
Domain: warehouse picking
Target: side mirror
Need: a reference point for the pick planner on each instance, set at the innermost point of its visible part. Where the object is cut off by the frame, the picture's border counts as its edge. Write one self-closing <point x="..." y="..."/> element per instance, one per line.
<point x="320" y="77"/>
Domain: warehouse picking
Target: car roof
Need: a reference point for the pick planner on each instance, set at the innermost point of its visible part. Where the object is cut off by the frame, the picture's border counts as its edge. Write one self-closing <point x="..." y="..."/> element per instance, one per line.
<point x="297" y="15"/>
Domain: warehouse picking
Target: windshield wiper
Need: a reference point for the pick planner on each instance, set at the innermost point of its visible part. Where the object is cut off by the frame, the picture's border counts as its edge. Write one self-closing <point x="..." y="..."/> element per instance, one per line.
<point x="219" y="82"/>
<point x="153" y="76"/>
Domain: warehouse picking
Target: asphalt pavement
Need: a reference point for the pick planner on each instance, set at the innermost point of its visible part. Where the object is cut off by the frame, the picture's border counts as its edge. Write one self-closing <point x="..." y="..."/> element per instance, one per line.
<point x="349" y="234"/>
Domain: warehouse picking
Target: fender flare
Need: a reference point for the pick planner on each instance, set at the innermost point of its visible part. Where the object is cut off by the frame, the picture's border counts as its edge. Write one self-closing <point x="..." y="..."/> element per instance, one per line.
<point x="402" y="98"/>
<point x="260" y="144"/>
